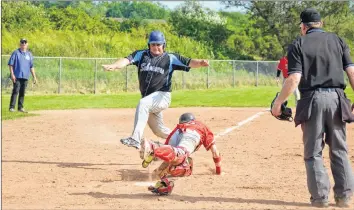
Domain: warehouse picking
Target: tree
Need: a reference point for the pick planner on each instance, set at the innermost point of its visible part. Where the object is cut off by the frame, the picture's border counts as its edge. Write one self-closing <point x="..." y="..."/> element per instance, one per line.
<point x="247" y="41"/>
<point x="75" y="19"/>
<point x="93" y="9"/>
<point x="137" y="10"/>
<point x="202" y="24"/>
<point x="281" y="18"/>
<point x="55" y="3"/>
<point x="23" y="15"/>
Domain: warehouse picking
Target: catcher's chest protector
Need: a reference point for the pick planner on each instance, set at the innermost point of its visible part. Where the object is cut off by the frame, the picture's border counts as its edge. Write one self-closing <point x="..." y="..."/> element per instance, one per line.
<point x="207" y="137"/>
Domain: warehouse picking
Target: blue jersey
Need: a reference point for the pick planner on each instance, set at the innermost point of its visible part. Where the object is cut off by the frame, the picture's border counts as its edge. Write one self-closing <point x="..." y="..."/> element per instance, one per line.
<point x="155" y="72"/>
<point x="22" y="63"/>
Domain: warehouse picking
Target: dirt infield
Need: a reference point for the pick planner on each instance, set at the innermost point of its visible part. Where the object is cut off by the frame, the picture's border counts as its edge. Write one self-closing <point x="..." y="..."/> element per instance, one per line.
<point x="73" y="160"/>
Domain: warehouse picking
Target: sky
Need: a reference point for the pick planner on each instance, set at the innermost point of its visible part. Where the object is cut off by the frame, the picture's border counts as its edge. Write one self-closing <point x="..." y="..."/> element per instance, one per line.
<point x="214" y="5"/>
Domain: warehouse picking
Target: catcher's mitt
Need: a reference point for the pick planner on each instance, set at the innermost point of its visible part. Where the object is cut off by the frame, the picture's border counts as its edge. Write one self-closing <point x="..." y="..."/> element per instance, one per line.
<point x="286" y="113"/>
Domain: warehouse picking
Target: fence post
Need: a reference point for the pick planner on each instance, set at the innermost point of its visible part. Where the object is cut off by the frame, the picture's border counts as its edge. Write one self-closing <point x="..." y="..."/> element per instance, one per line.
<point x="60" y="66"/>
<point x="233" y="73"/>
<point x="208" y="77"/>
<point x="126" y="79"/>
<point x="94" y="90"/>
<point x="257" y="74"/>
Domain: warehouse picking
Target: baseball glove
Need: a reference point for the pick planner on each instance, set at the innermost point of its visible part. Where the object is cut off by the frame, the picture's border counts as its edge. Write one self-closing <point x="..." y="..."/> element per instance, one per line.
<point x="286" y="113"/>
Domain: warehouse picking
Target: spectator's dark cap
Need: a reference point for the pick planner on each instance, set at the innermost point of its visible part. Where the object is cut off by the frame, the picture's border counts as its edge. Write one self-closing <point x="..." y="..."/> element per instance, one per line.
<point x="23" y="40"/>
<point x="310" y="15"/>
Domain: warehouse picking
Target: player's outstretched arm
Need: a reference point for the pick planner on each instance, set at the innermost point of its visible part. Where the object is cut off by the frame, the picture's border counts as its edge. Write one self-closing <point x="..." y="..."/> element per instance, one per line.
<point x="216" y="158"/>
<point x="121" y="63"/>
<point x="196" y="63"/>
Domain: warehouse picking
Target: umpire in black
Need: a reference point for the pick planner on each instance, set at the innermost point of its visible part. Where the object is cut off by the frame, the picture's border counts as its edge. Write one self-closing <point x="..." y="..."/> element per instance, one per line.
<point x="317" y="61"/>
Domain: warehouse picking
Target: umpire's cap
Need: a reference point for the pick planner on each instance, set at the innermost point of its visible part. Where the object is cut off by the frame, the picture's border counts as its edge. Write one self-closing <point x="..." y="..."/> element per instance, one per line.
<point x="186" y="117"/>
<point x="156" y="37"/>
<point x="310" y="15"/>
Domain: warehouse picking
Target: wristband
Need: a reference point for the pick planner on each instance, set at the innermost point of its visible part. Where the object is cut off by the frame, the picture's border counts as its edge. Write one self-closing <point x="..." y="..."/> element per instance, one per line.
<point x="217" y="160"/>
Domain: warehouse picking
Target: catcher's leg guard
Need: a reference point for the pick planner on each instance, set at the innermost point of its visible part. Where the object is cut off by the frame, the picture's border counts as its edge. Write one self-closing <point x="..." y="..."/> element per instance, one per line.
<point x="168" y="154"/>
<point x="165" y="153"/>
<point x="163" y="187"/>
<point x="184" y="169"/>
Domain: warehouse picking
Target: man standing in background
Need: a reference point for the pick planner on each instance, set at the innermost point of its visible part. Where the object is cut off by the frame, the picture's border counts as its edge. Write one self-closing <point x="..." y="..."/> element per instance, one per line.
<point x="20" y="64"/>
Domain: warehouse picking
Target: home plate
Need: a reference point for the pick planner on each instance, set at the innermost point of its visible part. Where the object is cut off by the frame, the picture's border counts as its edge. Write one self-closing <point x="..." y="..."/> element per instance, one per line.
<point x="144" y="184"/>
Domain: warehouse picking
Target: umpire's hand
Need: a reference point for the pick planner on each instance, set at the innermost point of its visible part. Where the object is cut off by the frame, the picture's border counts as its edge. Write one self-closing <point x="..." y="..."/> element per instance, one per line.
<point x="276" y="109"/>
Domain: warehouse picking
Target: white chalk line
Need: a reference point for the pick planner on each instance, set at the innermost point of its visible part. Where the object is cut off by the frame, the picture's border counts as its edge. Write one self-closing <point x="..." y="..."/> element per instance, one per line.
<point x="223" y="133"/>
<point x="228" y="130"/>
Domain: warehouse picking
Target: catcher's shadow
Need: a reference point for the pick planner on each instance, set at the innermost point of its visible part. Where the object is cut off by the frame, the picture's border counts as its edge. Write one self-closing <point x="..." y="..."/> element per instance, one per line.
<point x="193" y="199"/>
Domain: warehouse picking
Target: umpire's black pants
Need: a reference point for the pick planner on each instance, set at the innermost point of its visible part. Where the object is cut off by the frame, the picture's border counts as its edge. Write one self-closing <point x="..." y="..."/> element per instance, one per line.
<point x="19" y="88"/>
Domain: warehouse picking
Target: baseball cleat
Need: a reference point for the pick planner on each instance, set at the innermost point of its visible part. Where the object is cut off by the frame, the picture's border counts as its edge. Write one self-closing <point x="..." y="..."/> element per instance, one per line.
<point x="146" y="162"/>
<point x="146" y="153"/>
<point x="146" y="149"/>
<point x="130" y="142"/>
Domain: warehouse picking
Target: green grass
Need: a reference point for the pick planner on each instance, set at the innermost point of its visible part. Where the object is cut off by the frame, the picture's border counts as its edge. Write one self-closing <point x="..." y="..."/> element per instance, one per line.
<point x="237" y="97"/>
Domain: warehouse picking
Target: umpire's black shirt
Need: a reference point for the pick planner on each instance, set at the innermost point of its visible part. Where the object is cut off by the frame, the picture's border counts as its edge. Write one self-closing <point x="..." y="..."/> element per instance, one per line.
<point x="321" y="58"/>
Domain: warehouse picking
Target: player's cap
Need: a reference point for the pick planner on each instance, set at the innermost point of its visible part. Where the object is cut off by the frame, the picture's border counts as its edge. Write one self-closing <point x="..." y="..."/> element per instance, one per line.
<point x="310" y="15"/>
<point x="23" y="40"/>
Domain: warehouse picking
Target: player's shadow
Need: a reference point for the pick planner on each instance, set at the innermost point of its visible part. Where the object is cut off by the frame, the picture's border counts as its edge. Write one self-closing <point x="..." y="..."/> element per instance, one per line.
<point x="193" y="199"/>
<point x="69" y="164"/>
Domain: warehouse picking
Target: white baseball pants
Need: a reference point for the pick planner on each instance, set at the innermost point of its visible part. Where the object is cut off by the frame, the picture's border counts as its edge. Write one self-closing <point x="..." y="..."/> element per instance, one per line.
<point x="149" y="110"/>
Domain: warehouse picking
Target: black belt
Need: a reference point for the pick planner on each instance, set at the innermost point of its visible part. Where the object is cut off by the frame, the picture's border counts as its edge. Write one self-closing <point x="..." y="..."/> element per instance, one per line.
<point x="309" y="93"/>
<point x="326" y="89"/>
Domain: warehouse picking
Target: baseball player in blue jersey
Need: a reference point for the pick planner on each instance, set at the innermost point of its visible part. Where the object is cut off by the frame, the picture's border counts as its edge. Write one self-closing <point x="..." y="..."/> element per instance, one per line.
<point x="155" y="69"/>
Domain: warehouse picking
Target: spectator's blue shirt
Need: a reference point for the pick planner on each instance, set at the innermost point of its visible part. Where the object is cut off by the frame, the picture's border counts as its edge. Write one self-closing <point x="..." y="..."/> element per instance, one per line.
<point x="22" y="63"/>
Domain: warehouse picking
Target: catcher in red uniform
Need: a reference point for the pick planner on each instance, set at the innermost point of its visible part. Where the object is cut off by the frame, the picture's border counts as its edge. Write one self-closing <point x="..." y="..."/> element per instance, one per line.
<point x="188" y="136"/>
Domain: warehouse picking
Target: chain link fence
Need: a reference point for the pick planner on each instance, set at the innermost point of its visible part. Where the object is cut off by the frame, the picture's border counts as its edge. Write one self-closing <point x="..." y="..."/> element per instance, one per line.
<point x="66" y="75"/>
